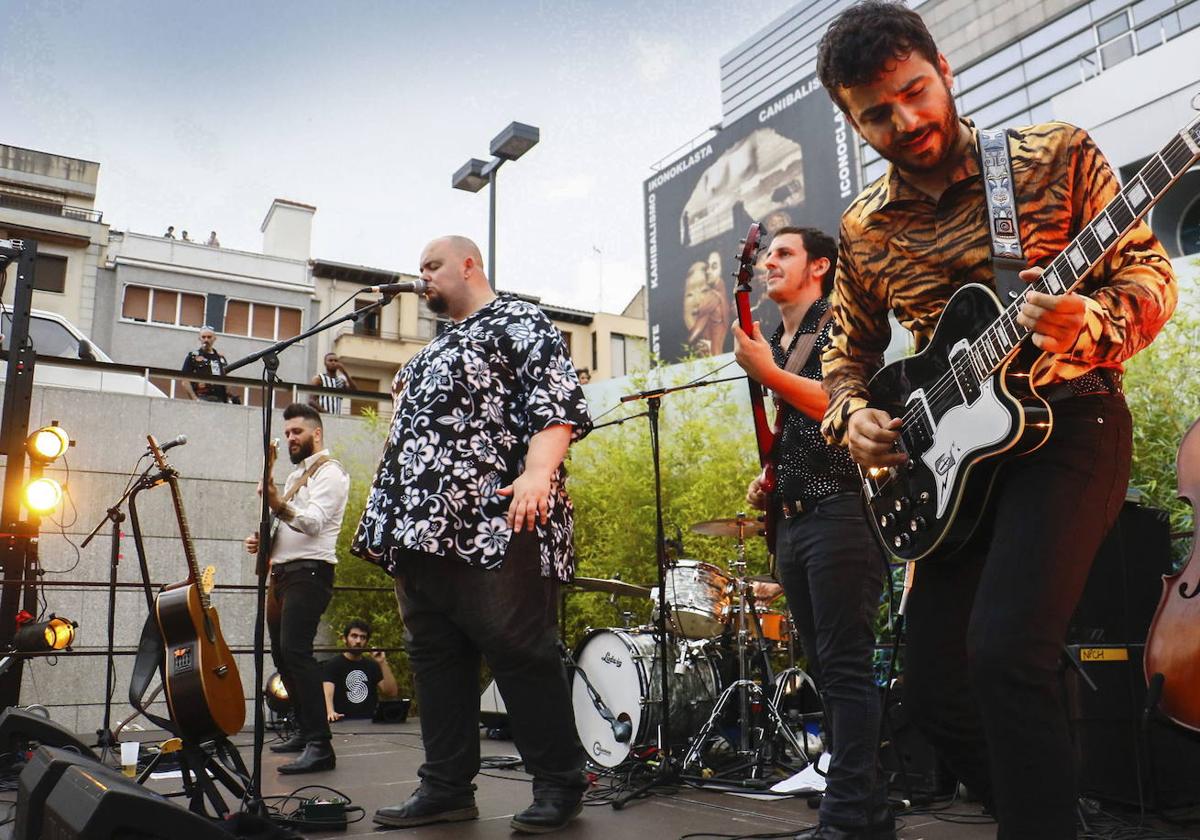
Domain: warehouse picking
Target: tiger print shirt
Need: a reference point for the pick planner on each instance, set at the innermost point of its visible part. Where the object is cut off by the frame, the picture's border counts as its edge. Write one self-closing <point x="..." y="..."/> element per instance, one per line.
<point x="899" y="249"/>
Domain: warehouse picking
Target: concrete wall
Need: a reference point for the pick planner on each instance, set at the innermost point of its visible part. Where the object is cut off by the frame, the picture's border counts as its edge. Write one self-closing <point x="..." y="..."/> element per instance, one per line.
<point x="219" y="469"/>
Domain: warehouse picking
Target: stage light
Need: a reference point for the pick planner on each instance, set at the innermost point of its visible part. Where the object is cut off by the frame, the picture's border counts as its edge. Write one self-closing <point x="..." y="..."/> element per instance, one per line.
<point x="47" y="443"/>
<point x="52" y="634"/>
<point x="42" y="495"/>
<point x="276" y="695"/>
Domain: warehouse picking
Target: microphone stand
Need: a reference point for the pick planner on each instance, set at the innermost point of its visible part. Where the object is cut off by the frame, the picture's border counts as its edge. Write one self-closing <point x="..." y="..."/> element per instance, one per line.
<point x="668" y="771"/>
<point x="104" y="735"/>
<point x="253" y="802"/>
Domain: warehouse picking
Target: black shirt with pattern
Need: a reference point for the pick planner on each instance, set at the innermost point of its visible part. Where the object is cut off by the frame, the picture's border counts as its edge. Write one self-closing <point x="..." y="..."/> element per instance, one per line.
<point x="210" y="361"/>
<point x="466" y="407"/>
<point x="806" y="467"/>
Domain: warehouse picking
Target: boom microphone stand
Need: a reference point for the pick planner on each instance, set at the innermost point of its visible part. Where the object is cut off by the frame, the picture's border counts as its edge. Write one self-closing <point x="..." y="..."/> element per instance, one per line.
<point x="270" y="358"/>
<point x="668" y="767"/>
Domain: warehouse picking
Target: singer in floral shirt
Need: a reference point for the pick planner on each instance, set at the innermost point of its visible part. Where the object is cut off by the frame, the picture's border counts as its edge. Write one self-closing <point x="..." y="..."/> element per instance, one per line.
<point x="469" y="512"/>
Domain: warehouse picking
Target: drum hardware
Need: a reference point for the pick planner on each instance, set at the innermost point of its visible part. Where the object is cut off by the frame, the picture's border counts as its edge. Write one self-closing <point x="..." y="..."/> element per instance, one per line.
<point x="615" y="586"/>
<point x="736" y="528"/>
<point x="744" y="690"/>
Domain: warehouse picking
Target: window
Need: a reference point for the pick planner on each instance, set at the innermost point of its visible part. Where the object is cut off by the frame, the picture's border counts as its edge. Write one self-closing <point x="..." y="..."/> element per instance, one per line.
<point x="628" y="354"/>
<point x="426" y="320"/>
<point x="368" y="325"/>
<point x="261" y="320"/>
<point x="162" y="306"/>
<point x="50" y="273"/>
<point x="1115" y="40"/>
<point x="566" y="336"/>
<point x="49" y="338"/>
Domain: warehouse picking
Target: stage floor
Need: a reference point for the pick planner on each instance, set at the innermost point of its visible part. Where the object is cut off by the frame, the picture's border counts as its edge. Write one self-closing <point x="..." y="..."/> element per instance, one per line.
<point x="377" y="766"/>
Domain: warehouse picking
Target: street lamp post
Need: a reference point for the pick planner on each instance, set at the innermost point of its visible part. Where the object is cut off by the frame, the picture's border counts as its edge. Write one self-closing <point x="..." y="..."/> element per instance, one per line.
<point x="509" y="144"/>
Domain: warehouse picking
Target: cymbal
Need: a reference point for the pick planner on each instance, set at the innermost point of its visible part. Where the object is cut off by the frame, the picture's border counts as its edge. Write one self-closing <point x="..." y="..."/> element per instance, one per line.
<point x="730" y="528"/>
<point x="615" y="587"/>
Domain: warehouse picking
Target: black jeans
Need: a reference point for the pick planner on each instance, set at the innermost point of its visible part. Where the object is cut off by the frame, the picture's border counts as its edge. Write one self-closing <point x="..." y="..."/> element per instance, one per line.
<point x="296" y="598"/>
<point x="987" y="624"/>
<point x="454" y="614"/>
<point x="831" y="568"/>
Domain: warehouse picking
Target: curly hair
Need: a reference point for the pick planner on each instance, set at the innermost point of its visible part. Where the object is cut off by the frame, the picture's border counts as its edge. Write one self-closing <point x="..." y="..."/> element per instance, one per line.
<point x="817" y="244"/>
<point x="865" y="38"/>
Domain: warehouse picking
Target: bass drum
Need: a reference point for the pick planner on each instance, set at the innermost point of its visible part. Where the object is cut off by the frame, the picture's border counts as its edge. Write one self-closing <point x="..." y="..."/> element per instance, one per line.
<point x="623" y="667"/>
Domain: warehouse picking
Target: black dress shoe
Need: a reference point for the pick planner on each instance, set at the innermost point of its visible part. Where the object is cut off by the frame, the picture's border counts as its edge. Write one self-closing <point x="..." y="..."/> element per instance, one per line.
<point x="422" y="809"/>
<point x="317" y="756"/>
<point x="294" y="744"/>
<point x="546" y="815"/>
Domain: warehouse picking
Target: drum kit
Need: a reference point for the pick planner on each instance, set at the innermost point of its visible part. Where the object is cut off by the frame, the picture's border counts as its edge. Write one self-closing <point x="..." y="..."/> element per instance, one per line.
<point x="725" y="701"/>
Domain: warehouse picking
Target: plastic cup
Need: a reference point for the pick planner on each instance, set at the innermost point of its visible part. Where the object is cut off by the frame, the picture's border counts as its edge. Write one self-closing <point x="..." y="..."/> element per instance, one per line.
<point x="129" y="757"/>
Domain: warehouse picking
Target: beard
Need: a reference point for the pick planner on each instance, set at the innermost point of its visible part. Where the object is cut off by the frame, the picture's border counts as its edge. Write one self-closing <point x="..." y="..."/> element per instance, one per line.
<point x="946" y="129"/>
<point x="437" y="304"/>
<point x="302" y="452"/>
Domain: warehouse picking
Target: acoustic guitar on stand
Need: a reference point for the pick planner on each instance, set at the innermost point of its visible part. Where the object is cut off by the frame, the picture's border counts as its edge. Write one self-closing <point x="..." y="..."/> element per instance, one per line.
<point x="203" y="686"/>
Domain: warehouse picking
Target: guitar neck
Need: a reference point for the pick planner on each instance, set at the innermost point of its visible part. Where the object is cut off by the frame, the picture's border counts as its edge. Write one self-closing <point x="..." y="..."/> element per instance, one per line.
<point x="185" y="534"/>
<point x="1066" y="271"/>
<point x="763" y="435"/>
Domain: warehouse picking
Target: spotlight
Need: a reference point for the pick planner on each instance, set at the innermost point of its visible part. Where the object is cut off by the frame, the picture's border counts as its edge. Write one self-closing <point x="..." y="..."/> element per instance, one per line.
<point x="42" y="495"/>
<point x="276" y="695"/>
<point x="47" y="443"/>
<point x="52" y="634"/>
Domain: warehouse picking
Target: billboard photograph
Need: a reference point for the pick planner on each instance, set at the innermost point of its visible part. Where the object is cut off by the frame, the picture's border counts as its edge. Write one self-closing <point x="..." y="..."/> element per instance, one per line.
<point x="793" y="161"/>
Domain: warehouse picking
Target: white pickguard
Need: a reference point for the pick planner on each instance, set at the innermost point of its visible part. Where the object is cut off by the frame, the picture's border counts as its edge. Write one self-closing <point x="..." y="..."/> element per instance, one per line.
<point x="964" y="430"/>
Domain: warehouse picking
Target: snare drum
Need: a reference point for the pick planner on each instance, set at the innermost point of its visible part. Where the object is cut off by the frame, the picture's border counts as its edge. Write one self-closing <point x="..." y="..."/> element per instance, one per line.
<point x="698" y="593"/>
<point x="623" y="667"/>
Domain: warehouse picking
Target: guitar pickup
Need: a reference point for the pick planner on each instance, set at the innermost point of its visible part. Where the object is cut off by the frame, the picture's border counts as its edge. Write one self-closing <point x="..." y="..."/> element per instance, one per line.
<point x="964" y="373"/>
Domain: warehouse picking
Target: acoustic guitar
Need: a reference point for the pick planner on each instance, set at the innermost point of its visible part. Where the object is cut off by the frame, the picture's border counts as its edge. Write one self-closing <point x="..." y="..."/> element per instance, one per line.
<point x="203" y="686"/>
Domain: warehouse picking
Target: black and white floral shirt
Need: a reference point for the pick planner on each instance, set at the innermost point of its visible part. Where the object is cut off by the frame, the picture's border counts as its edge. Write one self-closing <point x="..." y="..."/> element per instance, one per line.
<point x="466" y="406"/>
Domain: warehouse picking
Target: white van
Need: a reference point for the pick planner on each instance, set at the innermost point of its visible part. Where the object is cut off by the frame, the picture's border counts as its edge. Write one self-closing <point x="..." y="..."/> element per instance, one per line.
<point x="54" y="335"/>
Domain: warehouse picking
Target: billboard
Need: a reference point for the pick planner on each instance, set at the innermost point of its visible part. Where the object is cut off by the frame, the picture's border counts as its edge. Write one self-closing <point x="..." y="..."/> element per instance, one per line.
<point x="792" y="161"/>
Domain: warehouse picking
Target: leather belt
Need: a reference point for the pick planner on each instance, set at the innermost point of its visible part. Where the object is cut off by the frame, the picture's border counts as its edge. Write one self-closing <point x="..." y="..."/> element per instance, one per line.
<point x="281" y="569"/>
<point x="1095" y="381"/>
<point x="798" y="507"/>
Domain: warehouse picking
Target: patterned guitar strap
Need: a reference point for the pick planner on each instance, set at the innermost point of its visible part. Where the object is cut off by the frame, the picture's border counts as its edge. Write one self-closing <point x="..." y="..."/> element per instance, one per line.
<point x="1008" y="258"/>
<point x="291" y="494"/>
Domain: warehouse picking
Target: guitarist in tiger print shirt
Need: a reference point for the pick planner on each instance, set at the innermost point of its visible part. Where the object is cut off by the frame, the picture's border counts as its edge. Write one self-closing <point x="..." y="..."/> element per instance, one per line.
<point x="986" y="627"/>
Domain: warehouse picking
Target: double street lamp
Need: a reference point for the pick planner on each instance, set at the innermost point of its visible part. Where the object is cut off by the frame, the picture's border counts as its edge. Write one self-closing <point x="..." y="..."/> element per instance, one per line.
<point x="509" y="144"/>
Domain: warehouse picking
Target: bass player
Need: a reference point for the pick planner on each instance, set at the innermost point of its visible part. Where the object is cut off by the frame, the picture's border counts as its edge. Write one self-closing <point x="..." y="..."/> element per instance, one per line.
<point x="828" y="560"/>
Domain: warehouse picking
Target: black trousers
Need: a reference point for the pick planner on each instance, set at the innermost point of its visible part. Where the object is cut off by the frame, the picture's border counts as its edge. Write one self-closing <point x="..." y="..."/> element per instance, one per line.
<point x="831" y="568"/>
<point x="454" y="615"/>
<point x="296" y="598"/>
<point x="987" y="624"/>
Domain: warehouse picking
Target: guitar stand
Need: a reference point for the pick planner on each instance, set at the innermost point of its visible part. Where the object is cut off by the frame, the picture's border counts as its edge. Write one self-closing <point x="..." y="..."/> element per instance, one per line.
<point x="202" y="767"/>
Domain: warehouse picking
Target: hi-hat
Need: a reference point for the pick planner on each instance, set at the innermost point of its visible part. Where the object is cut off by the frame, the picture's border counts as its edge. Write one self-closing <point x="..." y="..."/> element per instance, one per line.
<point x="736" y="527"/>
<point x="615" y="587"/>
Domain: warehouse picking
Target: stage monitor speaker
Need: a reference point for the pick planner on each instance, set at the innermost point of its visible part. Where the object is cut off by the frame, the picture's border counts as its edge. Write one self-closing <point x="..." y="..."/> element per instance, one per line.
<point x="38" y="778"/>
<point x="1125" y="583"/>
<point x="22" y="731"/>
<point x="1106" y="726"/>
<point x="392" y="711"/>
<point x="96" y="801"/>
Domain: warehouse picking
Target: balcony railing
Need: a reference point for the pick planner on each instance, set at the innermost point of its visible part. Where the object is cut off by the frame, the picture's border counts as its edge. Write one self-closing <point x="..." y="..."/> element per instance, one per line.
<point x="34" y="204"/>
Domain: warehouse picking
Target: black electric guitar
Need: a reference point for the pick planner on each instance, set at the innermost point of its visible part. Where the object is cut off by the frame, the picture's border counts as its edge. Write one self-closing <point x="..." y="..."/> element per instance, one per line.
<point x="764" y="435"/>
<point x="204" y="688"/>
<point x="965" y="399"/>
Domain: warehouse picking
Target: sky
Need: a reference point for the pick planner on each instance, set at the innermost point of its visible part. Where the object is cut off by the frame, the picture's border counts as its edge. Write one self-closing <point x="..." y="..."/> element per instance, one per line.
<point x="201" y="113"/>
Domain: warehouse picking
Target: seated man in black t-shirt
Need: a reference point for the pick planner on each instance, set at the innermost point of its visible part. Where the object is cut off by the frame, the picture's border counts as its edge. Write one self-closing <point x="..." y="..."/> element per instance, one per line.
<point x="352" y="681"/>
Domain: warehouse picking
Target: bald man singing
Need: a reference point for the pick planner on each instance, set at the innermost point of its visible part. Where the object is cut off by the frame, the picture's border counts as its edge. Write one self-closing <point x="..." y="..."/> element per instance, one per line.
<point x="470" y="515"/>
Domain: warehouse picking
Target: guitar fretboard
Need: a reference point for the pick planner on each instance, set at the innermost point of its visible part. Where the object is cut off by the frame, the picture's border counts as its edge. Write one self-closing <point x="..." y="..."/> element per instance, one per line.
<point x="1066" y="270"/>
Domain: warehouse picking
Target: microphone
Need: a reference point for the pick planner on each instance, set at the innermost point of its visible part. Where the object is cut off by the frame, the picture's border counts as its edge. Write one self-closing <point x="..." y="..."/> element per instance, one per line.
<point x="171" y="444"/>
<point x="622" y="729"/>
<point x="416" y="286"/>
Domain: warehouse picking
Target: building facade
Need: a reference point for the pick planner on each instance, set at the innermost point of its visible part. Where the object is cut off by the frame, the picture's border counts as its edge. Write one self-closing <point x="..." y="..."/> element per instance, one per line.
<point x="1126" y="70"/>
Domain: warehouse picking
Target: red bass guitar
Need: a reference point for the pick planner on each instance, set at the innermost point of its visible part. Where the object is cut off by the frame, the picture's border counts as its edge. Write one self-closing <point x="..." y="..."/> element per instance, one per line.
<point x="764" y="434"/>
